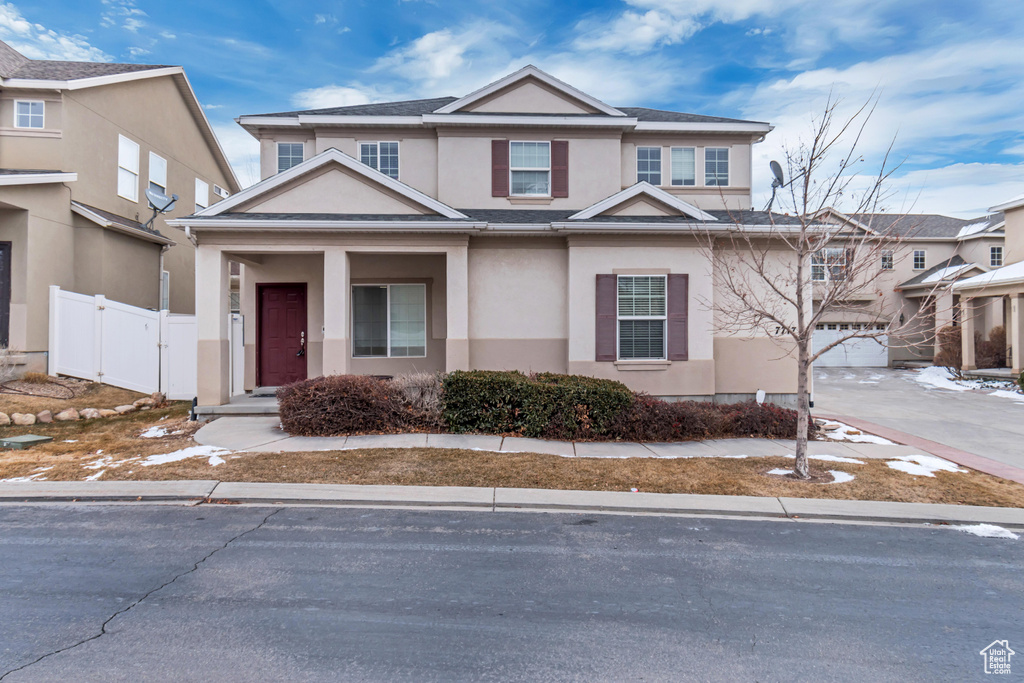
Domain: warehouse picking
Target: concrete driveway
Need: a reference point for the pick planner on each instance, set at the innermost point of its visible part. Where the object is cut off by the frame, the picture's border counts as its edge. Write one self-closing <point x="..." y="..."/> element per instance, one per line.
<point x="973" y="421"/>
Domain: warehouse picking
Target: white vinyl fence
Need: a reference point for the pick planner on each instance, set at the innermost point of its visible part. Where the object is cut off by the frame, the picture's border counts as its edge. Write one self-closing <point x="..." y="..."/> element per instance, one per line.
<point x="92" y="337"/>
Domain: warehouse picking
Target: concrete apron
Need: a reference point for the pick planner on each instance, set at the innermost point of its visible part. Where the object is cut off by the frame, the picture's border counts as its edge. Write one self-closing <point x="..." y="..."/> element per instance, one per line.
<point x="506" y="500"/>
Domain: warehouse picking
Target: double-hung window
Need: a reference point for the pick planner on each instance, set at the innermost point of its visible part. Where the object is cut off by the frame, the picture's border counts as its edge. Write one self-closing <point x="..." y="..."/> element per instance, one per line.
<point x="995" y="257"/>
<point x="920" y="263"/>
<point x="683" y="166"/>
<point x="648" y="165"/>
<point x="202" y="195"/>
<point x="29" y="114"/>
<point x="381" y="156"/>
<point x="828" y="264"/>
<point x="288" y="154"/>
<point x="642" y="312"/>
<point x="530" y="169"/>
<point x="157" y="173"/>
<point x="127" y="168"/>
<point x="887" y="259"/>
<point x="716" y="166"/>
<point x="389" y="321"/>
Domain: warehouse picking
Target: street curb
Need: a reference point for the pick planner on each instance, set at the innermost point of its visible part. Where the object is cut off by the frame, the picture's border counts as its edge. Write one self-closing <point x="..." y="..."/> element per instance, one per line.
<point x="487" y="499"/>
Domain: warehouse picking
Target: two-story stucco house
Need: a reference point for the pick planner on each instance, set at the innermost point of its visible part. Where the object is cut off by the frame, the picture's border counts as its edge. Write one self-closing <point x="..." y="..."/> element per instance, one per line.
<point x="527" y="225"/>
<point x="80" y="142"/>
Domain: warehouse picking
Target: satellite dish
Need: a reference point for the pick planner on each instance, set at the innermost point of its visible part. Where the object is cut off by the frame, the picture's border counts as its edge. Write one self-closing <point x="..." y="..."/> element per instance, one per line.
<point x="160" y="202"/>
<point x="777" y="172"/>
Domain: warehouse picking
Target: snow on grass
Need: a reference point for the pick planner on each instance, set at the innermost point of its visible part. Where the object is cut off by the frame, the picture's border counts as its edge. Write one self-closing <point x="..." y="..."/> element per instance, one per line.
<point x="154" y="433"/>
<point x="844" y="432"/>
<point x="830" y="458"/>
<point x="923" y="465"/>
<point x="211" y="452"/>
<point x="840" y="477"/>
<point x="780" y="472"/>
<point x="986" y="531"/>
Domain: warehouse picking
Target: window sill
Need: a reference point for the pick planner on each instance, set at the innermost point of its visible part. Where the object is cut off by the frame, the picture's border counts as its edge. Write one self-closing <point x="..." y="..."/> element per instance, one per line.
<point x="631" y="365"/>
<point x="529" y="200"/>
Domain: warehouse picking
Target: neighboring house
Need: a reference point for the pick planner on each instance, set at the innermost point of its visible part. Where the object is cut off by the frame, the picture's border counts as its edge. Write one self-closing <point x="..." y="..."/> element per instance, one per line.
<point x="80" y="142"/>
<point x="524" y="226"/>
<point x="930" y="252"/>
<point x="1000" y="288"/>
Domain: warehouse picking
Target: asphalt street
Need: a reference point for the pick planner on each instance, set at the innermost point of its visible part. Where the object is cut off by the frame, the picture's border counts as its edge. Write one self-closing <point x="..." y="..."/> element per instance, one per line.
<point x="231" y="593"/>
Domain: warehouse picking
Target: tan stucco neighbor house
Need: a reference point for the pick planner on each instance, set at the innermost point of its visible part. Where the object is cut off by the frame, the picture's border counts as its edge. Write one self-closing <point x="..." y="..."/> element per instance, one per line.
<point x="80" y="142"/>
<point x="527" y="225"/>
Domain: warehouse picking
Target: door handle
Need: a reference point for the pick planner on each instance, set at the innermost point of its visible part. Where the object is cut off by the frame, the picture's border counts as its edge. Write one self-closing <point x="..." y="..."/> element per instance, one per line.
<point x="302" y="345"/>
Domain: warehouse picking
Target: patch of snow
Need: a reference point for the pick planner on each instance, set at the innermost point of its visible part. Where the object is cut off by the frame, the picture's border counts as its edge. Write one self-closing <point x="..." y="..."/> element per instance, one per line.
<point x="923" y="465"/>
<point x="946" y="273"/>
<point x="1012" y="395"/>
<point x="845" y="432"/>
<point x="780" y="472"/>
<point x="70" y="440"/>
<point x="31" y="477"/>
<point x="1009" y="273"/>
<point x="154" y="433"/>
<point x="94" y="477"/>
<point x="105" y="462"/>
<point x="832" y="458"/>
<point x="216" y="460"/>
<point x="972" y="229"/>
<point x="185" y="453"/>
<point x="938" y="378"/>
<point x="986" y="531"/>
<point x="840" y="477"/>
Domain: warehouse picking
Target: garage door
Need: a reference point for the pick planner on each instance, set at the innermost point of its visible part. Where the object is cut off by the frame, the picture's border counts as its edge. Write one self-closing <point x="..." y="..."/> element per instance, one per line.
<point x="855" y="353"/>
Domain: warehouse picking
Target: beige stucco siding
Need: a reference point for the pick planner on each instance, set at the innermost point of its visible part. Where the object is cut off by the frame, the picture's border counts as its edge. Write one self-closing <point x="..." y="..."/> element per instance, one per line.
<point x="332" y="189"/>
<point x="530" y="96"/>
<point x="1014" y="235"/>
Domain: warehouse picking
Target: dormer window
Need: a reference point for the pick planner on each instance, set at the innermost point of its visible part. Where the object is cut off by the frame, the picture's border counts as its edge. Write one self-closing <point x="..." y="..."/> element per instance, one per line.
<point x="29" y="114"/>
<point x="382" y="156"/>
<point x="530" y="169"/>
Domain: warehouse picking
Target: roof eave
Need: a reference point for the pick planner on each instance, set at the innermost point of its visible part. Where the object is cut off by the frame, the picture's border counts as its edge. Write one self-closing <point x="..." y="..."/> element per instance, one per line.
<point x="36" y="178"/>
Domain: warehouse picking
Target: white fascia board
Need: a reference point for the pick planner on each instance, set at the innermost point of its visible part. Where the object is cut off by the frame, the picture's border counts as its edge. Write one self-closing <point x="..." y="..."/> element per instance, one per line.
<point x="645" y="188"/>
<point x="689" y="228"/>
<point x="267" y="224"/>
<point x="584" y="121"/>
<point x="290" y="121"/>
<point x="317" y="161"/>
<point x="334" y="120"/>
<point x="124" y="229"/>
<point x="1014" y="203"/>
<point x="708" y="127"/>
<point x="37" y="178"/>
<point x="528" y="71"/>
<point x="91" y="82"/>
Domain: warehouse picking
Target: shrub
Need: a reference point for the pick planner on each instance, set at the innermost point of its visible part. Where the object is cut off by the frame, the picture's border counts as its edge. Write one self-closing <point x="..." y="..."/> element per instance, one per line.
<point x="950" y="355"/>
<point x="344" y="404"/>
<point x="421" y="392"/>
<point x="35" y="378"/>
<point x="991" y="353"/>
<point x="650" y="419"/>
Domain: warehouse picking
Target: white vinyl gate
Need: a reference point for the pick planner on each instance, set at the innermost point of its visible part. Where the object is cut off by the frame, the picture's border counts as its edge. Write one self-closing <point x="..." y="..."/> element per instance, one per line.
<point x="125" y="346"/>
<point x="854" y="353"/>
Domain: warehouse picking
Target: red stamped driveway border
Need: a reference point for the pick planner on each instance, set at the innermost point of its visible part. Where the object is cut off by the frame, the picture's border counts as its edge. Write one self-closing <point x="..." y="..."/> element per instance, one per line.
<point x="975" y="462"/>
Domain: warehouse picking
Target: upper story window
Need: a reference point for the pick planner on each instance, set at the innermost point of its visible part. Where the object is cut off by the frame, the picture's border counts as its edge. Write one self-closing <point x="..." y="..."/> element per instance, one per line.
<point x="127" y="168"/>
<point x="288" y="154"/>
<point x="828" y="264"/>
<point x="530" y="169"/>
<point x="683" y="166"/>
<point x="382" y="156"/>
<point x="202" y="195"/>
<point x="716" y="166"/>
<point x="920" y="263"/>
<point x="29" y="113"/>
<point x="887" y="259"/>
<point x="648" y="165"/>
<point x="157" y="173"/>
<point x="995" y="257"/>
<point x="642" y="312"/>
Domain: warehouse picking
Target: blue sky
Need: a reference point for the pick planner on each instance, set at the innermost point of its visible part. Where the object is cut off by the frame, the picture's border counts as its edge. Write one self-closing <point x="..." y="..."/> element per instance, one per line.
<point x="948" y="75"/>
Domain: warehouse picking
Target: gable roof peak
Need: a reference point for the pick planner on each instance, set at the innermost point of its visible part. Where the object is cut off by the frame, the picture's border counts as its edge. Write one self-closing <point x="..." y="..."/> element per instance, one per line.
<point x="10" y="60"/>
<point x="642" y="188"/>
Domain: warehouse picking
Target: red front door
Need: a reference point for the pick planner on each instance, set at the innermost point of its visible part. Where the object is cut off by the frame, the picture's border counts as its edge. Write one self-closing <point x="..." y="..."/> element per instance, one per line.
<point x="281" y="347"/>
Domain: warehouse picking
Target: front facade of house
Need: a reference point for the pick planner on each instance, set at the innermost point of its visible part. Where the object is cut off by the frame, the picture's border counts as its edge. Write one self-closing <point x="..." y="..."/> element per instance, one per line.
<point x="525" y="226"/>
<point x="80" y="142"/>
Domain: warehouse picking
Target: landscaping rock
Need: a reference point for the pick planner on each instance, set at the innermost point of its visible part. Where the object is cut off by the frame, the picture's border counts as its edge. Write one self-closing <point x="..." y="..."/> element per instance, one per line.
<point x="91" y="413"/>
<point x="23" y="419"/>
<point x="44" y="416"/>
<point x="158" y="398"/>
<point x="107" y="412"/>
<point x="124" y="410"/>
<point x="69" y="415"/>
<point x="144" y="403"/>
<point x="4" y="419"/>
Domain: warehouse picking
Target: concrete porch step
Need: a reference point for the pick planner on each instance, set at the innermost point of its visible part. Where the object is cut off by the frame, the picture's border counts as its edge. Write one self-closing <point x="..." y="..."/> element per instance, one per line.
<point x="243" y="405"/>
<point x="992" y="373"/>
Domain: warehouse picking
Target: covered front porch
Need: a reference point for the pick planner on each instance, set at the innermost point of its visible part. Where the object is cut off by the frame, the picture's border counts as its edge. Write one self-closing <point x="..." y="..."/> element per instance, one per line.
<point x="977" y="293"/>
<point x="375" y="306"/>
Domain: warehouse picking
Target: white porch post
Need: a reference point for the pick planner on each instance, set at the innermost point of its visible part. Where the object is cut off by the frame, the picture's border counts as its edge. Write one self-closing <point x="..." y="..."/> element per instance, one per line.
<point x="1016" y="332"/>
<point x="457" y="288"/>
<point x="336" y="311"/>
<point x="212" y="326"/>
<point x="943" y="315"/>
<point x="967" y="333"/>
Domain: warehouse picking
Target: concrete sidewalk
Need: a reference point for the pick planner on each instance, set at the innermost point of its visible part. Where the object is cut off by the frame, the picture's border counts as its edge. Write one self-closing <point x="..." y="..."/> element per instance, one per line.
<point x="488" y="499"/>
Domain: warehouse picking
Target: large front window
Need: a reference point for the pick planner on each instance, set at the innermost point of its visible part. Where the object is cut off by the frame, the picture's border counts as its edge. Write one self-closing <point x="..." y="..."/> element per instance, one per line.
<point x="389" y="321"/>
<point x="382" y="156"/>
<point x="828" y="264"/>
<point x="530" y="169"/>
<point x="641" y="315"/>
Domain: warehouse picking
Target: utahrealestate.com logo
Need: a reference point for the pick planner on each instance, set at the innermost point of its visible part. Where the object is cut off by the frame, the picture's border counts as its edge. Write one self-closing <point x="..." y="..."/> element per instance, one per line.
<point x="997" y="657"/>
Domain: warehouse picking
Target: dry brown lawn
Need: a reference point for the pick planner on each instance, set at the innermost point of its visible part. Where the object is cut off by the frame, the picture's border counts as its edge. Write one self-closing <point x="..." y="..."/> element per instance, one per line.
<point x="87" y="396"/>
<point x="118" y="438"/>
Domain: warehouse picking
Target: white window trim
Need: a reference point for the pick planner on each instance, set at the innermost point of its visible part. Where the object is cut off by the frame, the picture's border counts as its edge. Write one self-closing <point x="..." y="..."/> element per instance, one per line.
<point x="512" y="168"/>
<point x="891" y="255"/>
<point x="827" y="265"/>
<point x="728" y="166"/>
<point x="913" y="259"/>
<point x="277" y="158"/>
<point x="17" y="102"/>
<point x="992" y="254"/>
<point x="135" y="172"/>
<point x="163" y="185"/>
<point x="378" y="143"/>
<point x="671" y="178"/>
<point x="661" y="164"/>
<point x="619" y="318"/>
<point x="387" y="310"/>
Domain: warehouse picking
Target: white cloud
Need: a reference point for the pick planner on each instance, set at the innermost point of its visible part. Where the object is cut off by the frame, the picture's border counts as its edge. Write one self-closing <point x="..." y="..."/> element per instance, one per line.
<point x="167" y="35"/>
<point x="341" y="96"/>
<point x="136" y="52"/>
<point x="123" y="12"/>
<point x="325" y="19"/>
<point x="38" y="42"/>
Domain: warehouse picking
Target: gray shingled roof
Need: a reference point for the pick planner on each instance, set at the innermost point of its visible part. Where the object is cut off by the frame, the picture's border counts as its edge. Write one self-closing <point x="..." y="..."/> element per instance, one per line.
<point x="25" y="171"/>
<point x="120" y="220"/>
<point x="13" y="64"/>
<point x="920" y="277"/>
<point x="330" y="217"/>
<point x="10" y="60"/>
<point x="663" y="116"/>
<point x="921" y="225"/>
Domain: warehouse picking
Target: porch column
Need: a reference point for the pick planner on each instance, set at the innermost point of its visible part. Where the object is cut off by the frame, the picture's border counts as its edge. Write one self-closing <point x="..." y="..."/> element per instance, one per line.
<point x="336" y="311"/>
<point x="967" y="333"/>
<point x="1016" y="332"/>
<point x="944" y="307"/>
<point x="457" y="288"/>
<point x="213" y="352"/>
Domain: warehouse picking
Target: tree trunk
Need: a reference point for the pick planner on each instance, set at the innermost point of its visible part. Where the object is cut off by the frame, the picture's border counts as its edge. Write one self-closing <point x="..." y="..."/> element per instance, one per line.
<point x="803" y="412"/>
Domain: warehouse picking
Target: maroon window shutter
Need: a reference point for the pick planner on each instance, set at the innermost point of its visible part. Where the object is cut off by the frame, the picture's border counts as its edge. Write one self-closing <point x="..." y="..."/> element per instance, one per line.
<point x="499" y="168"/>
<point x="607" y="323"/>
<point x="678" y="314"/>
<point x="559" y="168"/>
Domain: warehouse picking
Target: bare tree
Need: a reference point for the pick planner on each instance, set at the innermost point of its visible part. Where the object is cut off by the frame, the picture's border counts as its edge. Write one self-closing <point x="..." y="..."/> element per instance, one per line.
<point x="783" y="278"/>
